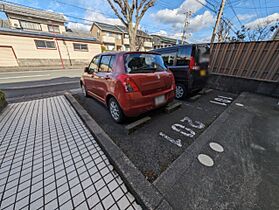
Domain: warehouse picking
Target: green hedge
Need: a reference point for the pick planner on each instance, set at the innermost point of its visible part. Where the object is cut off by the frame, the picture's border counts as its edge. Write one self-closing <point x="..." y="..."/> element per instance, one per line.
<point x="3" y="102"/>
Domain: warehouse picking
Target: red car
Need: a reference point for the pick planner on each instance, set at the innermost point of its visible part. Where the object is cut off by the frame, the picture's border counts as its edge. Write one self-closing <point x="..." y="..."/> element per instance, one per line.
<point x="128" y="83"/>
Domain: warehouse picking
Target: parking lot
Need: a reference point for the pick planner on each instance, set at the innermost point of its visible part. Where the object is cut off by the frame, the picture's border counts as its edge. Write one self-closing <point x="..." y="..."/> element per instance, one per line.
<point x="155" y="145"/>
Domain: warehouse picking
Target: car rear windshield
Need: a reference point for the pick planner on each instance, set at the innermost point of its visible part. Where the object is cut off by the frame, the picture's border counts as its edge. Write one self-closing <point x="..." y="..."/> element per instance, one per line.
<point x="144" y="63"/>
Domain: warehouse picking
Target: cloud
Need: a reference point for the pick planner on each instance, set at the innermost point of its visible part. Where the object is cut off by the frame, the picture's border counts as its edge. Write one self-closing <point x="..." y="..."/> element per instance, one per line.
<point x="92" y="16"/>
<point x="176" y="17"/>
<point x="263" y="21"/>
<point x="246" y="17"/>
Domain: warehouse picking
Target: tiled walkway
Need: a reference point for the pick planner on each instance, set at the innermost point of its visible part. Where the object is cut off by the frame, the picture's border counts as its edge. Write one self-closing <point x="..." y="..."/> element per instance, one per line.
<point x="49" y="160"/>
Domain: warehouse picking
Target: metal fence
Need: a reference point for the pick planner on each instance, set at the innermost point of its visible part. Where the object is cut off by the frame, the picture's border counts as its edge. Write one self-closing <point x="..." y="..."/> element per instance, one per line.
<point x="252" y="60"/>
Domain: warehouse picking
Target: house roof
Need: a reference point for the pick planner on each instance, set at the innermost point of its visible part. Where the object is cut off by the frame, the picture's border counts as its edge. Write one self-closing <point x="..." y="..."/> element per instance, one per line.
<point x="117" y="29"/>
<point x="107" y="27"/>
<point x="166" y="39"/>
<point x="64" y="36"/>
<point x="13" y="9"/>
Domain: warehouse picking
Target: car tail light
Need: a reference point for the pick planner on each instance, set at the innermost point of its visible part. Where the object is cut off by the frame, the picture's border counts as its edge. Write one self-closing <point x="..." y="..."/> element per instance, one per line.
<point x="128" y="84"/>
<point x="193" y="65"/>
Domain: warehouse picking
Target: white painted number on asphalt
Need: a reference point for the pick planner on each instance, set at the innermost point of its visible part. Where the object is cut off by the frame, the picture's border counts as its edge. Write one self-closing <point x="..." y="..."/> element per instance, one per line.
<point x="176" y="142"/>
<point x="197" y="124"/>
<point x="222" y="100"/>
<point x="215" y="102"/>
<point x="178" y="128"/>
<point x="225" y="97"/>
<point x="183" y="130"/>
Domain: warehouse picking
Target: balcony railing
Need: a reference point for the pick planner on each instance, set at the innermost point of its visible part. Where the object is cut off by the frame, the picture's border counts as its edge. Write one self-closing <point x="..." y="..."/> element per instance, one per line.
<point x="148" y="44"/>
<point x="108" y="39"/>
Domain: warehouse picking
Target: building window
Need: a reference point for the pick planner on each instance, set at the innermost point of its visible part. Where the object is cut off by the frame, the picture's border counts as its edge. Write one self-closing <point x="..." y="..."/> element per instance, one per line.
<point x="42" y="44"/>
<point x="80" y="47"/>
<point x="30" y="25"/>
<point x="53" y="29"/>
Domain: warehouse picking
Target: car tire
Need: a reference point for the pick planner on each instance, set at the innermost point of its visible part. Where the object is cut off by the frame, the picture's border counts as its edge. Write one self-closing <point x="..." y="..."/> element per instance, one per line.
<point x="180" y="91"/>
<point x="84" y="91"/>
<point x="115" y="111"/>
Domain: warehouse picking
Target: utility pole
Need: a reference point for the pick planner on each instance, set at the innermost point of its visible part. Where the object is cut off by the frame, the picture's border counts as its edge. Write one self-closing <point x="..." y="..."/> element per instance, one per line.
<point x="219" y="16"/>
<point x="188" y="15"/>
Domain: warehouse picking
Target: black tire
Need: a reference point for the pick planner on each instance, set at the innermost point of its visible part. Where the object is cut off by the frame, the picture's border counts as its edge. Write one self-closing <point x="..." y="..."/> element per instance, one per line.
<point x="115" y="111"/>
<point x="180" y="92"/>
<point x="84" y="91"/>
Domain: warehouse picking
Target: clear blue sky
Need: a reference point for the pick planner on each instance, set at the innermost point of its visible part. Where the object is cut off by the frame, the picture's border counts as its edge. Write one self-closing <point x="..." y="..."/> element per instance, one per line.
<point x="166" y="17"/>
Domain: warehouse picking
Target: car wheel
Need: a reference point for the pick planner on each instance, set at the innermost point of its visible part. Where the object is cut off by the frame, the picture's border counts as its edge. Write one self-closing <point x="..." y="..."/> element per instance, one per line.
<point x="115" y="111"/>
<point x="84" y="91"/>
<point x="180" y="91"/>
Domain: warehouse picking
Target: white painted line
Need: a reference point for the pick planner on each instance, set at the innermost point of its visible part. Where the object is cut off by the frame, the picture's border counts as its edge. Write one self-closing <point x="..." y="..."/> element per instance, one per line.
<point x="226" y="97"/>
<point x="176" y="142"/>
<point x="215" y="102"/>
<point x="216" y="147"/>
<point x="198" y="125"/>
<point x="238" y="104"/>
<point x="223" y="100"/>
<point x="205" y="160"/>
<point x="19" y="77"/>
<point x="257" y="147"/>
<point x="190" y="133"/>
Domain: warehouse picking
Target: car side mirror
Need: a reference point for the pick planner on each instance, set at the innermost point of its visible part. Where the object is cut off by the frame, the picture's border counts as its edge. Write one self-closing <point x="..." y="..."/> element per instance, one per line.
<point x="86" y="69"/>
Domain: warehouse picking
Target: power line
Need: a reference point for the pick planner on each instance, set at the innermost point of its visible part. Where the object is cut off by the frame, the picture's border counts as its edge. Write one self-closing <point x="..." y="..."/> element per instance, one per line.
<point x="230" y="4"/>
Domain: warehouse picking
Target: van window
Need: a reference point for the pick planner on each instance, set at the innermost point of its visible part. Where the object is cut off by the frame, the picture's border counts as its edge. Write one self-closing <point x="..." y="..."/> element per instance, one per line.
<point x="93" y="67"/>
<point x="169" y="58"/>
<point x="183" y="56"/>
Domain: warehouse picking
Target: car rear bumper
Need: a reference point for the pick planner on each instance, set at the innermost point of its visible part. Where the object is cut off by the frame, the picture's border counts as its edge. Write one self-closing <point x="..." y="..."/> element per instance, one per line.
<point x="134" y="104"/>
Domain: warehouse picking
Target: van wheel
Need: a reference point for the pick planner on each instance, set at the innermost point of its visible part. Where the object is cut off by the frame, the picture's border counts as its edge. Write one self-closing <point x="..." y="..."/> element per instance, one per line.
<point x="84" y="91"/>
<point x="115" y="111"/>
<point x="180" y="91"/>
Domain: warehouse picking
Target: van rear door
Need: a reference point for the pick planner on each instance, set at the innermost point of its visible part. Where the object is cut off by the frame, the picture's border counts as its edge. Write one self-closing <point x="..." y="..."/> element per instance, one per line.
<point x="201" y="54"/>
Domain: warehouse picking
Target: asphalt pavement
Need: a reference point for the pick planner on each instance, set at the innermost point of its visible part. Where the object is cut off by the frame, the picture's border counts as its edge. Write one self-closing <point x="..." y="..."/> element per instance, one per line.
<point x="22" y="85"/>
<point x="153" y="147"/>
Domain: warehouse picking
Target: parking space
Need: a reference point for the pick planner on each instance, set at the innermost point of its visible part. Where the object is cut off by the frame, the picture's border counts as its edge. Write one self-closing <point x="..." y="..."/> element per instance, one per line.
<point x="154" y="146"/>
<point x="49" y="160"/>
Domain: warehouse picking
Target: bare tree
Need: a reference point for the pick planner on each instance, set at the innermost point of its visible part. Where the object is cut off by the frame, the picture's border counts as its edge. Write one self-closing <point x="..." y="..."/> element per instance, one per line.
<point x="258" y="33"/>
<point x="130" y="15"/>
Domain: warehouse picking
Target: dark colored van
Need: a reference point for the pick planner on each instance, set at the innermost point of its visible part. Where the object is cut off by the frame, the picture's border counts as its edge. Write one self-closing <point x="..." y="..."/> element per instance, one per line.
<point x="189" y="65"/>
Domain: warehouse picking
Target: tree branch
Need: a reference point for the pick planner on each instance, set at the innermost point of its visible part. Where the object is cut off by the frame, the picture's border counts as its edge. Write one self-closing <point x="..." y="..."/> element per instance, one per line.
<point x="116" y="11"/>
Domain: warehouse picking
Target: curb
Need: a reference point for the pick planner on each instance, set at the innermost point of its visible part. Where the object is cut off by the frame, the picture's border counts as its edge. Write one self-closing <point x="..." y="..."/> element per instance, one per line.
<point x="145" y="192"/>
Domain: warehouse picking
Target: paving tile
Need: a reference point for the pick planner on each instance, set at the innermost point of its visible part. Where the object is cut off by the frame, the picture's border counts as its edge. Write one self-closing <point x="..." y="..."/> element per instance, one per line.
<point x="48" y="148"/>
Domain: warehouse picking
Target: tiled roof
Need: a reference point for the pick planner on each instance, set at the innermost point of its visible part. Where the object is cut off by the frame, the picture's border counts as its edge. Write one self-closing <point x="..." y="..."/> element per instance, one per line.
<point x="108" y="27"/>
<point x="117" y="29"/>
<point x="166" y="39"/>
<point x="35" y="13"/>
<point x="65" y="36"/>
